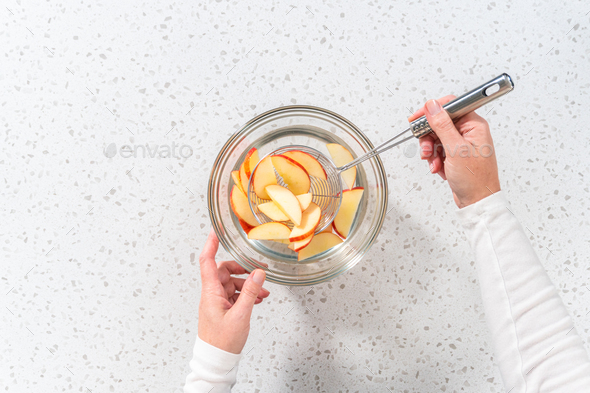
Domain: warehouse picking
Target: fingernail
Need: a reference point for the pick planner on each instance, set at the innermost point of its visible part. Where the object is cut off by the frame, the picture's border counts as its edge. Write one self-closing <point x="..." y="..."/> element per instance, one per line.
<point x="433" y="107"/>
<point x="431" y="166"/>
<point x="258" y="276"/>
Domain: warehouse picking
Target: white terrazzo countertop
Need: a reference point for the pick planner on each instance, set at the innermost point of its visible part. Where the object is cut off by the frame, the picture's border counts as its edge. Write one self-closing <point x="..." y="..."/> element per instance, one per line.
<point x="99" y="275"/>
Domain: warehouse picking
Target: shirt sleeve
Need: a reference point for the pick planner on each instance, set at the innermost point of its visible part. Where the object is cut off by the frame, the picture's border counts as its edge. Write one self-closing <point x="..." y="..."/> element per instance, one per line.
<point x="535" y="343"/>
<point x="211" y="368"/>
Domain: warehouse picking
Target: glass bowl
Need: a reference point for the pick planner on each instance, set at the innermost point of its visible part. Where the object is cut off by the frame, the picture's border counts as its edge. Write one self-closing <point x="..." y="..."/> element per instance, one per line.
<point x="313" y="127"/>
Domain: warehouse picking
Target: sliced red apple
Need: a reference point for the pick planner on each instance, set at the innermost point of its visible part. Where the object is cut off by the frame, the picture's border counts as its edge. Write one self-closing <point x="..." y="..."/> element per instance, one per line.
<point x="244" y="178"/>
<point x="311" y="165"/>
<point x="320" y="243"/>
<point x="269" y="231"/>
<point x="283" y="241"/>
<point x="246" y="168"/>
<point x="241" y="208"/>
<point x="251" y="160"/>
<point x="264" y="176"/>
<point x="341" y="156"/>
<point x="300" y="244"/>
<point x="347" y="212"/>
<point x="285" y="200"/>
<point x="310" y="219"/>
<point x="304" y="200"/>
<point x="293" y="174"/>
<point x="272" y="211"/>
<point x="245" y="226"/>
<point x="235" y="175"/>
<point x="328" y="229"/>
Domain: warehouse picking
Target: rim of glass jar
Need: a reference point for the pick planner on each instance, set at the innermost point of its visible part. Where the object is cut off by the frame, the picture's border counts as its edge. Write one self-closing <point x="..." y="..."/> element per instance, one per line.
<point x="272" y="277"/>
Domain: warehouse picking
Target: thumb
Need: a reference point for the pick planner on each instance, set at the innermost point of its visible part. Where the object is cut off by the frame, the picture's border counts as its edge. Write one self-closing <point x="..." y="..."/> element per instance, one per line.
<point x="249" y="293"/>
<point x="441" y="124"/>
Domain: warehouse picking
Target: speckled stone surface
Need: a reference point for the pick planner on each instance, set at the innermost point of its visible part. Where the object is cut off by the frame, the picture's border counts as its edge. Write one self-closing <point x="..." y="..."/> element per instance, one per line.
<point x="99" y="273"/>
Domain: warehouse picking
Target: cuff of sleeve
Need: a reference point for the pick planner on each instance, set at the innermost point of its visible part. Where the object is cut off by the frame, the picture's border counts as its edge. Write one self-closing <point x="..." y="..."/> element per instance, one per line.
<point x="471" y="214"/>
<point x="217" y="358"/>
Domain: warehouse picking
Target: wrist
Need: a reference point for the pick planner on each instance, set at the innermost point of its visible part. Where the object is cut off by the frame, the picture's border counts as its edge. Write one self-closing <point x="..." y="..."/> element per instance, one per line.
<point x="221" y="341"/>
<point x="476" y="197"/>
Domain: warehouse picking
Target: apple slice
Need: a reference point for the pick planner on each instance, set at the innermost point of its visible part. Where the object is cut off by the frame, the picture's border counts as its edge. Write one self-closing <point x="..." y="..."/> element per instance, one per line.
<point x="269" y="231"/>
<point x="347" y="212"/>
<point x="245" y="226"/>
<point x="241" y="208"/>
<point x="293" y="174"/>
<point x="320" y="243"/>
<point x="251" y="160"/>
<point x="310" y="219"/>
<point x="264" y="176"/>
<point x="235" y="175"/>
<point x="305" y="200"/>
<point x="247" y="167"/>
<point x="300" y="244"/>
<point x="244" y="178"/>
<point x="285" y="200"/>
<point x="272" y="211"/>
<point x="284" y="241"/>
<point x="341" y="156"/>
<point x="311" y="165"/>
<point x="328" y="228"/>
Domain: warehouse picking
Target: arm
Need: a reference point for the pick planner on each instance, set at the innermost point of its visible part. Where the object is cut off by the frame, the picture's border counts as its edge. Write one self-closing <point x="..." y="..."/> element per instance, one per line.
<point x="211" y="368"/>
<point x="224" y="321"/>
<point x="535" y="345"/>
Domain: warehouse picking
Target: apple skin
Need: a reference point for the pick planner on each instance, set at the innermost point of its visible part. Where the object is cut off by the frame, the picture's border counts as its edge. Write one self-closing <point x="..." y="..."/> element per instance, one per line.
<point x="301" y="244"/>
<point x="269" y="231"/>
<point x="353" y="214"/>
<point x="328" y="228"/>
<point x="263" y="177"/>
<point x="251" y="156"/>
<point x="310" y="219"/>
<point x="241" y="208"/>
<point x="237" y="181"/>
<point x="309" y="163"/>
<point x="303" y="183"/>
<point x="245" y="226"/>
<point x="244" y="178"/>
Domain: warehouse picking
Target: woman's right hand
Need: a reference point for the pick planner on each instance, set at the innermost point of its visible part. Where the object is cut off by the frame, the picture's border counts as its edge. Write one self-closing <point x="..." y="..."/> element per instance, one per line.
<point x="461" y="153"/>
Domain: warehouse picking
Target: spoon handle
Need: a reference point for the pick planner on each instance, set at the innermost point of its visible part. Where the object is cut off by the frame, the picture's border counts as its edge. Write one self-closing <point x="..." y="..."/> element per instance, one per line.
<point x="468" y="102"/>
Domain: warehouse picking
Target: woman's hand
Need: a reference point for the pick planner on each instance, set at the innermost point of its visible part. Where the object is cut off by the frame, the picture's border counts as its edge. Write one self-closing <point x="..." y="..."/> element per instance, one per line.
<point x="224" y="314"/>
<point x="462" y="153"/>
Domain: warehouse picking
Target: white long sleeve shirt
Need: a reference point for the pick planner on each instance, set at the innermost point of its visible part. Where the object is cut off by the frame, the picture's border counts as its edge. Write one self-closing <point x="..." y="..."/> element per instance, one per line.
<point x="536" y="345"/>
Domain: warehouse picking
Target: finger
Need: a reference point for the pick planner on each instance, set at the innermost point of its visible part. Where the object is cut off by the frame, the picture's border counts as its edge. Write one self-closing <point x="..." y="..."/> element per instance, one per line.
<point x="472" y="122"/>
<point x="207" y="261"/>
<point x="436" y="164"/>
<point x="234" y="298"/>
<point x="250" y="292"/>
<point x="227" y="268"/>
<point x="239" y="284"/>
<point x="441" y="124"/>
<point x="420" y="112"/>
<point x="426" y="146"/>
<point x="233" y="267"/>
<point x="442" y="173"/>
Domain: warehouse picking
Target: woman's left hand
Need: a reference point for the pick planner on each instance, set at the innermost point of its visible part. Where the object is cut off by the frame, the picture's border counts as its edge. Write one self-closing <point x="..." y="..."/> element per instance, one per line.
<point x="226" y="301"/>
